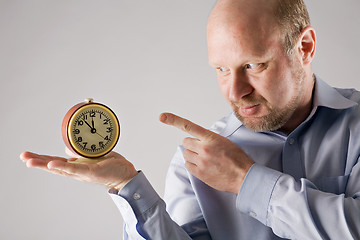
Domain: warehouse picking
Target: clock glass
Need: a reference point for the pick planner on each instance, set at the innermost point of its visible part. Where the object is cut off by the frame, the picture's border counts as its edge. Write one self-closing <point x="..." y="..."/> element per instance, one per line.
<point x="93" y="130"/>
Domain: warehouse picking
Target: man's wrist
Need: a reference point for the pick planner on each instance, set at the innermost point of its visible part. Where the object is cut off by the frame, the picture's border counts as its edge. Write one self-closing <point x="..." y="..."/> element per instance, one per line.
<point x="119" y="186"/>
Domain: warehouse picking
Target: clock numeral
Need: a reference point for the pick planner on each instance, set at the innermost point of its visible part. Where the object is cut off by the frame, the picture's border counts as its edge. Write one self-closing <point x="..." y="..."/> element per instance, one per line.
<point x="107" y="138"/>
<point x="101" y="144"/>
<point x="109" y="130"/>
<point x="84" y="143"/>
<point x="76" y="131"/>
<point x="106" y="121"/>
<point x="85" y="117"/>
<point x="93" y="147"/>
<point x="80" y="122"/>
<point x="92" y="114"/>
<point x="79" y="139"/>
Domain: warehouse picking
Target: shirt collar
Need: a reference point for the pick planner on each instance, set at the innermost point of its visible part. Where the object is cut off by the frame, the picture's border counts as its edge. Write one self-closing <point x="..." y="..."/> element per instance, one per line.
<point x="324" y="95"/>
<point x="327" y="96"/>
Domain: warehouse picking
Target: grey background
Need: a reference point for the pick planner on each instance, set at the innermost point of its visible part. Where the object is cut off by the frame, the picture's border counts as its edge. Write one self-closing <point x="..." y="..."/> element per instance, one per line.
<point x="140" y="58"/>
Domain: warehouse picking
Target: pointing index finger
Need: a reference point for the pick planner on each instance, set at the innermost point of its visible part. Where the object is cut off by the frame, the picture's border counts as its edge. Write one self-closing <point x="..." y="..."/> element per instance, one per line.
<point x="184" y="125"/>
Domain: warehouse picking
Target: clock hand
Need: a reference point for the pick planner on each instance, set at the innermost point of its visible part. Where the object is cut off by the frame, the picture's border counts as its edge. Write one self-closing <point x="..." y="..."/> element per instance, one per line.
<point x="92" y="129"/>
<point x="92" y="122"/>
<point x="88" y="124"/>
<point x="100" y="135"/>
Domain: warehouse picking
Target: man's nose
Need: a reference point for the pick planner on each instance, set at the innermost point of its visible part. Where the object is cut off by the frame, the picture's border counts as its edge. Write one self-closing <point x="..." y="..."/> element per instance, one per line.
<point x="240" y="87"/>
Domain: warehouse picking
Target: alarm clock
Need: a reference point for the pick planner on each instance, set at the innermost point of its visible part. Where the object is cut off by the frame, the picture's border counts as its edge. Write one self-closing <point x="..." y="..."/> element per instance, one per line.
<point x="90" y="129"/>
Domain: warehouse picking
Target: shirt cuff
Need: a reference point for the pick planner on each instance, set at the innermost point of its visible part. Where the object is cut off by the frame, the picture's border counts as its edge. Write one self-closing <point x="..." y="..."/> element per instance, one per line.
<point x="255" y="193"/>
<point x="138" y="194"/>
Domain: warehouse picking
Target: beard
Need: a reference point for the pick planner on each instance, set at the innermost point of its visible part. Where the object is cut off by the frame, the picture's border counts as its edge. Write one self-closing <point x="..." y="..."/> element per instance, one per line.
<point x="277" y="117"/>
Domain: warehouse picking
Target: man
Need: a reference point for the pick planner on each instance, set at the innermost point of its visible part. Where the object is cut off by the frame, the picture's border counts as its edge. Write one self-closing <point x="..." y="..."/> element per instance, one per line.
<point x="283" y="165"/>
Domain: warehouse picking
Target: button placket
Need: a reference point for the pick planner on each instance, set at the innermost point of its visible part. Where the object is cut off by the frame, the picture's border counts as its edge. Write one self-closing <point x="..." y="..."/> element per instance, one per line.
<point x="292" y="163"/>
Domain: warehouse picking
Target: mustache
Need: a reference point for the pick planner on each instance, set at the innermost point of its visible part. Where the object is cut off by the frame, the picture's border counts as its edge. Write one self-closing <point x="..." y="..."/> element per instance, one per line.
<point x="249" y="100"/>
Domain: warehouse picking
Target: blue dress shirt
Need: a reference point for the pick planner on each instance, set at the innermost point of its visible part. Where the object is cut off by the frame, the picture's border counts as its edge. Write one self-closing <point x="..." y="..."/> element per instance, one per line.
<point x="302" y="186"/>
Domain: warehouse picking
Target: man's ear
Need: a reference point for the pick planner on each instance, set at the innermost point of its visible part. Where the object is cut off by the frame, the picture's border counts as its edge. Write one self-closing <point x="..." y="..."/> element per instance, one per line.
<point x="307" y="45"/>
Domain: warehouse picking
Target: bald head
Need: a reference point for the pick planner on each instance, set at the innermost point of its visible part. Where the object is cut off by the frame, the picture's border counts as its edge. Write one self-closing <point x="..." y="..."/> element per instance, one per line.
<point x="252" y="20"/>
<point x="251" y="14"/>
<point x="243" y="9"/>
<point x="288" y="17"/>
<point x="249" y="25"/>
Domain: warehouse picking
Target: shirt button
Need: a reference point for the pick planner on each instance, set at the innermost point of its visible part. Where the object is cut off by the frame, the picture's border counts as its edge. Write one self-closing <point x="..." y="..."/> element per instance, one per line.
<point x="291" y="141"/>
<point x="252" y="214"/>
<point x="136" y="196"/>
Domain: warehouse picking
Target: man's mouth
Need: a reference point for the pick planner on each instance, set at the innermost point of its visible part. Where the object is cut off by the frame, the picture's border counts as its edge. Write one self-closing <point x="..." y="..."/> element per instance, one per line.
<point x="250" y="110"/>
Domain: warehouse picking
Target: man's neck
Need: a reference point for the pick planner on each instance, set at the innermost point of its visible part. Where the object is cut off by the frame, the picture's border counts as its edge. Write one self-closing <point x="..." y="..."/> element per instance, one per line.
<point x="303" y="111"/>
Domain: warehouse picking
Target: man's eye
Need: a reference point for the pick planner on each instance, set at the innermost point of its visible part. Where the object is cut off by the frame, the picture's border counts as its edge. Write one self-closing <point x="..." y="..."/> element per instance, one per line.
<point x="252" y="65"/>
<point x="223" y="69"/>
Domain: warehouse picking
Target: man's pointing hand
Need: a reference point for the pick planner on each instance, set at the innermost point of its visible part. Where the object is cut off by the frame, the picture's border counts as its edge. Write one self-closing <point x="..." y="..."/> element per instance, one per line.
<point x="211" y="157"/>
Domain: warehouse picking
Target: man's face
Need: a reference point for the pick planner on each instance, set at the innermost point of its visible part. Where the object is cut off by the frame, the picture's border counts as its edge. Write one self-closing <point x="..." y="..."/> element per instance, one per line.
<point x="262" y="84"/>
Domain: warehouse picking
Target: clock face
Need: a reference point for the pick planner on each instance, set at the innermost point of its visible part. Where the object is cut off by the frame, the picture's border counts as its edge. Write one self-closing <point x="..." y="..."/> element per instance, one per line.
<point x="93" y="130"/>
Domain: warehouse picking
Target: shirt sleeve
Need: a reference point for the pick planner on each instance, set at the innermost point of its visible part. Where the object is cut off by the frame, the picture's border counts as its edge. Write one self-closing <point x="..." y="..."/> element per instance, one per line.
<point x="298" y="209"/>
<point x="144" y="212"/>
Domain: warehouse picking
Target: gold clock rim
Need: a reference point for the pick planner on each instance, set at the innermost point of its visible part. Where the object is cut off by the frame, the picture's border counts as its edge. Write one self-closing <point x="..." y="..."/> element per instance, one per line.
<point x="72" y="119"/>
